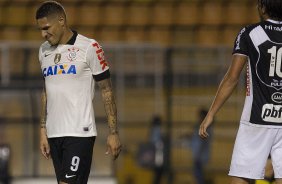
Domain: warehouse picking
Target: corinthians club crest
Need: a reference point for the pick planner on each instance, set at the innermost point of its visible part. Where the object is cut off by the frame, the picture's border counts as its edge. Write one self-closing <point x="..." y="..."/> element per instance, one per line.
<point x="72" y="53"/>
<point x="57" y="58"/>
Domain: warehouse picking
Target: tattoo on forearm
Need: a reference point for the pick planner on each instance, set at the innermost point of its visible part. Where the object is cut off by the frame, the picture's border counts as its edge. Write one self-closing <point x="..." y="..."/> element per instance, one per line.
<point x="43" y="109"/>
<point x="109" y="103"/>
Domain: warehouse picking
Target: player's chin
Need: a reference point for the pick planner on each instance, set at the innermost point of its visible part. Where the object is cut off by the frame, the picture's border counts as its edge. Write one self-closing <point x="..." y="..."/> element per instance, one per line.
<point x="52" y="42"/>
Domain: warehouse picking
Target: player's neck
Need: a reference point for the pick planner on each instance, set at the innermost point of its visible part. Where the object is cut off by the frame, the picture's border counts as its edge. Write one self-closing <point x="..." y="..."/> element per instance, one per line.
<point x="66" y="36"/>
<point x="275" y="19"/>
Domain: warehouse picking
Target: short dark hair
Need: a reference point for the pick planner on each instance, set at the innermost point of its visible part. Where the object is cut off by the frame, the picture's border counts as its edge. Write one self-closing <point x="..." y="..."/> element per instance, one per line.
<point x="273" y="8"/>
<point x="48" y="8"/>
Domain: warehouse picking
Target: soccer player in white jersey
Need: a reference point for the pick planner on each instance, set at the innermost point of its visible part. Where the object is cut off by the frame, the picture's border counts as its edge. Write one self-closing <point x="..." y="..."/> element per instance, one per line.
<point x="259" y="46"/>
<point x="71" y="64"/>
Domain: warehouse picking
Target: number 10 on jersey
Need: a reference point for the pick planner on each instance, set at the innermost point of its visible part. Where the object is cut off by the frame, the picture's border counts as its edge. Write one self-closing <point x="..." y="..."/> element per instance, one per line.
<point x="275" y="61"/>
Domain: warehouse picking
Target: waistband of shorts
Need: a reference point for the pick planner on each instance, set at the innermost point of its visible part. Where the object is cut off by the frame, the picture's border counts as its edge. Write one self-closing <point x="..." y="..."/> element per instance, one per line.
<point x="260" y="126"/>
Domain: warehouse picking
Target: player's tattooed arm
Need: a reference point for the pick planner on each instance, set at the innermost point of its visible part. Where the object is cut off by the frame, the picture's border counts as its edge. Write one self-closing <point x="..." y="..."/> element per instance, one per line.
<point x="109" y="103"/>
<point x="43" y="108"/>
<point x="113" y="142"/>
<point x="44" y="146"/>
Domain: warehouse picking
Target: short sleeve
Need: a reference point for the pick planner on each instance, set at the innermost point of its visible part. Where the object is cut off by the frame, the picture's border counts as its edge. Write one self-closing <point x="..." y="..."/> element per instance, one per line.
<point x="40" y="55"/>
<point x="241" y="43"/>
<point x="95" y="58"/>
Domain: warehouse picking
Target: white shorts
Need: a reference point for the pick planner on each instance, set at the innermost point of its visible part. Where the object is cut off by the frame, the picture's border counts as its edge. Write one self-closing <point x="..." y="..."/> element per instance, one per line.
<point x="252" y="147"/>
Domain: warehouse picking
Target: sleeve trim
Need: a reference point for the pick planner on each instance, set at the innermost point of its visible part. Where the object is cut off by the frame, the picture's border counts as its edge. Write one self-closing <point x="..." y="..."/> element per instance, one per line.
<point x="105" y="75"/>
<point x="240" y="54"/>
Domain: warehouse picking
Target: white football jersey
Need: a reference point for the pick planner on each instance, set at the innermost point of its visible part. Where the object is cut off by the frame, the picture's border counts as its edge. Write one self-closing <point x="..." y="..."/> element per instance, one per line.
<point x="68" y="71"/>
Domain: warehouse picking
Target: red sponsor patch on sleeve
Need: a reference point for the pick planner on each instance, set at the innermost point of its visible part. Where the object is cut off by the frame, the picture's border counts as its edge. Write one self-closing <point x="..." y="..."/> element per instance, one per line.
<point x="100" y="55"/>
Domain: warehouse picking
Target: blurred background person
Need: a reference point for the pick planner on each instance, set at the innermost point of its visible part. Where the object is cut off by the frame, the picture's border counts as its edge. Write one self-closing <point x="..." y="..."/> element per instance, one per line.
<point x="5" y="155"/>
<point x="157" y="139"/>
<point x="151" y="153"/>
<point x="201" y="149"/>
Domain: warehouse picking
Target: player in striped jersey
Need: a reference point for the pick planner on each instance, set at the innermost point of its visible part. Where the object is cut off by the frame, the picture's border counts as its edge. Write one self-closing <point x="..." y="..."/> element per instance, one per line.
<point x="259" y="46"/>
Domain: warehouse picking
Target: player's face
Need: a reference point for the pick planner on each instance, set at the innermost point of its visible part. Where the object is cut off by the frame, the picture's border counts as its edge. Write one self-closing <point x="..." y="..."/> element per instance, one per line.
<point x="51" y="29"/>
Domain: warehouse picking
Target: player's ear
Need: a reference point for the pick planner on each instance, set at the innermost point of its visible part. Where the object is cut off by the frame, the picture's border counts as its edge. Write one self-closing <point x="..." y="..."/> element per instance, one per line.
<point x="261" y="11"/>
<point x="62" y="20"/>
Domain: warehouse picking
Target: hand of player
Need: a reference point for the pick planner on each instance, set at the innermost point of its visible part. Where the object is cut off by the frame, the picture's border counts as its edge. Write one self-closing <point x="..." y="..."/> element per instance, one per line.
<point x="113" y="145"/>
<point x="44" y="145"/>
<point x="204" y="126"/>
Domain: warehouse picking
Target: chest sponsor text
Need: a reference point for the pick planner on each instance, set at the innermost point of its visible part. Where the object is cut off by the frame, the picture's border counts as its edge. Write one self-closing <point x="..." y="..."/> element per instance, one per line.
<point x="272" y="113"/>
<point x="59" y="70"/>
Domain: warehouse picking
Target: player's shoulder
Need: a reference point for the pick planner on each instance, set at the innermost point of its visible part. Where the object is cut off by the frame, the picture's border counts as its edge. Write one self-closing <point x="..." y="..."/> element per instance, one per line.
<point x="85" y="41"/>
<point x="248" y="28"/>
<point x="45" y="46"/>
<point x="243" y="39"/>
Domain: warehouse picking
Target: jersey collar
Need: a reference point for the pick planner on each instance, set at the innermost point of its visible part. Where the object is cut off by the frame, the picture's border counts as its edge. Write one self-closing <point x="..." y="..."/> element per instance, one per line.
<point x="73" y="38"/>
<point x="274" y="21"/>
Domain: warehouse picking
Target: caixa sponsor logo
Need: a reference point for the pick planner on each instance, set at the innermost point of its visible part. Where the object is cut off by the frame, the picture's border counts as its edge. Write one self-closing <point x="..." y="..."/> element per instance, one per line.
<point x="277" y="97"/>
<point x="59" y="69"/>
<point x="272" y="113"/>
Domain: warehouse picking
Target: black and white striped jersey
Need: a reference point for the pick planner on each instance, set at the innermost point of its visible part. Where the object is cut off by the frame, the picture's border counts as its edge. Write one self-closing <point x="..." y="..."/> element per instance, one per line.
<point x="262" y="43"/>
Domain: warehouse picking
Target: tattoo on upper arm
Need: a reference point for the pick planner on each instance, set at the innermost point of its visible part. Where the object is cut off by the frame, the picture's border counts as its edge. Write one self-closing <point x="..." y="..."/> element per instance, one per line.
<point x="109" y="103"/>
